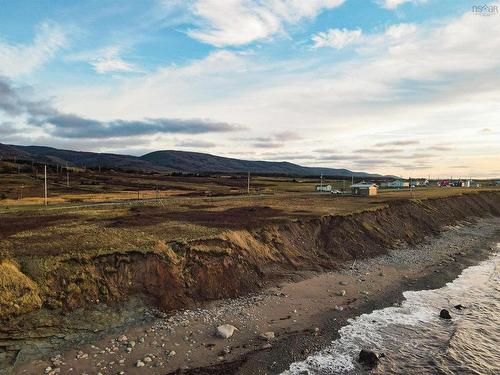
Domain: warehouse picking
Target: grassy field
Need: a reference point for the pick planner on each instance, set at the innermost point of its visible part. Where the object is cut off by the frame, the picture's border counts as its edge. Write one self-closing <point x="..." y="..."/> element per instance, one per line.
<point x="79" y="223"/>
<point x="19" y="189"/>
<point x="86" y="224"/>
<point x="76" y="228"/>
<point x="24" y="189"/>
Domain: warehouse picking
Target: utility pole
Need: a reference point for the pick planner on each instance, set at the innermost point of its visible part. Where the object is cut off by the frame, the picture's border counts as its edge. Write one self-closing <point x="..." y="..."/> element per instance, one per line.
<point x="67" y="175"/>
<point x="321" y="182"/>
<point x="45" y="185"/>
<point x="248" y="183"/>
<point x="352" y="180"/>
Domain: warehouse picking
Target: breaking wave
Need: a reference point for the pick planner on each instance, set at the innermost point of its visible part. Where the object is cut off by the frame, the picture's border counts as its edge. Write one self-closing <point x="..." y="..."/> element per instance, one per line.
<point x="413" y="337"/>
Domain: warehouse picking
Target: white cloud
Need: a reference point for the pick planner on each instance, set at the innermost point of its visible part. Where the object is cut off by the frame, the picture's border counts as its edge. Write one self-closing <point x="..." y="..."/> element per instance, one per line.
<point x="336" y="38"/>
<point x="106" y="60"/>
<point x="21" y="59"/>
<point x="194" y="143"/>
<point x="402" y="30"/>
<point x="405" y="80"/>
<point x="393" y="4"/>
<point x="239" y="22"/>
<point x="379" y="73"/>
<point x="340" y="38"/>
<point x="115" y="65"/>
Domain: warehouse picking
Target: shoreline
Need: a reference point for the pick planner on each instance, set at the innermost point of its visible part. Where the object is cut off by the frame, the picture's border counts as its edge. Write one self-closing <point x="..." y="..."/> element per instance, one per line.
<point x="301" y="314"/>
<point x="298" y="347"/>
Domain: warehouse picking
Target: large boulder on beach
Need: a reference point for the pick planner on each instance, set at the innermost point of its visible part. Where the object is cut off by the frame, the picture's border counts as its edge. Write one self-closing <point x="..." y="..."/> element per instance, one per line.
<point x="368" y="358"/>
<point x="444" y="314"/>
<point x="225" y="331"/>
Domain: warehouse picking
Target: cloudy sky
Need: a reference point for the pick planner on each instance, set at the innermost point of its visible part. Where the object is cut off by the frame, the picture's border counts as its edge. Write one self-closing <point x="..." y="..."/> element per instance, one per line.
<point x="407" y="87"/>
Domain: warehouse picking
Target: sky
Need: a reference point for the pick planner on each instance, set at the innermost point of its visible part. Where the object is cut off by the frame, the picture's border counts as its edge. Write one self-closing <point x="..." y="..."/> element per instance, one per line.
<point x="401" y="87"/>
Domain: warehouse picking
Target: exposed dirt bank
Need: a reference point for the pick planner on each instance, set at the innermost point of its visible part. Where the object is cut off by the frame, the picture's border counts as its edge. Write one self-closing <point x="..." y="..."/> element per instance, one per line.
<point x="302" y="316"/>
<point x="182" y="275"/>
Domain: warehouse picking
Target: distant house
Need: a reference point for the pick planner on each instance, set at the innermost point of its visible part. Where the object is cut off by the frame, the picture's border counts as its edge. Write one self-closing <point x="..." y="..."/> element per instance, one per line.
<point x="425" y="182"/>
<point x="364" y="189"/>
<point x="326" y="188"/>
<point x="394" y="184"/>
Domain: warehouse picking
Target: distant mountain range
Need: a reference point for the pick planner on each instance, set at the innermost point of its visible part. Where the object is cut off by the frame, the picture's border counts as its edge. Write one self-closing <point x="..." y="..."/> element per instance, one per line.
<point x="165" y="161"/>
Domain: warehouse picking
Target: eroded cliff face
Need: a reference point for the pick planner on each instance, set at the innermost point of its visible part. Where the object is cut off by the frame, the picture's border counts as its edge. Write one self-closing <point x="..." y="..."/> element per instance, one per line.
<point x="163" y="283"/>
<point x="238" y="261"/>
<point x="181" y="275"/>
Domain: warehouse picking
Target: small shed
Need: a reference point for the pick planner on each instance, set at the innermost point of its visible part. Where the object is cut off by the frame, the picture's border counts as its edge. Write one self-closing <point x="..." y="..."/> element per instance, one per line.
<point x="364" y="189"/>
<point x="326" y="188"/>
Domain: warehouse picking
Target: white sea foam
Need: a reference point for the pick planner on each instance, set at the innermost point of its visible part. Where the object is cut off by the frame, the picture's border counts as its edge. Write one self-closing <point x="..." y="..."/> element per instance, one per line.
<point x="413" y="336"/>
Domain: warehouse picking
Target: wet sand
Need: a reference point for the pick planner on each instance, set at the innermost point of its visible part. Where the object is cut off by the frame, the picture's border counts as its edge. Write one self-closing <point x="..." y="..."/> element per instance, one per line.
<point x="303" y="315"/>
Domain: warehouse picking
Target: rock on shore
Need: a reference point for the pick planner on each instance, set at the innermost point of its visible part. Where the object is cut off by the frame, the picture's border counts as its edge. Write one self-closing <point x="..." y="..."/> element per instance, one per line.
<point x="225" y="331"/>
<point x="368" y="358"/>
<point x="444" y="314"/>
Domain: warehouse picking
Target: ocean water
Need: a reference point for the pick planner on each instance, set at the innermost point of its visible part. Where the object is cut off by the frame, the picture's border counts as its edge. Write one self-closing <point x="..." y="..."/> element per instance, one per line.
<point x="413" y="337"/>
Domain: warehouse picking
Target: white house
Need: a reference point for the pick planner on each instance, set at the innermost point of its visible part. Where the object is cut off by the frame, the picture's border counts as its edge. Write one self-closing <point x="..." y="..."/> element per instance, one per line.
<point x="364" y="188"/>
<point x="325" y="188"/>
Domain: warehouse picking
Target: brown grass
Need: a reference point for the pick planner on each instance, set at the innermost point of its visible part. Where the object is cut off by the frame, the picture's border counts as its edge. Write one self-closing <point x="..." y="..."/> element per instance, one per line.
<point x="18" y="293"/>
<point x="42" y="238"/>
<point x="108" y="186"/>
